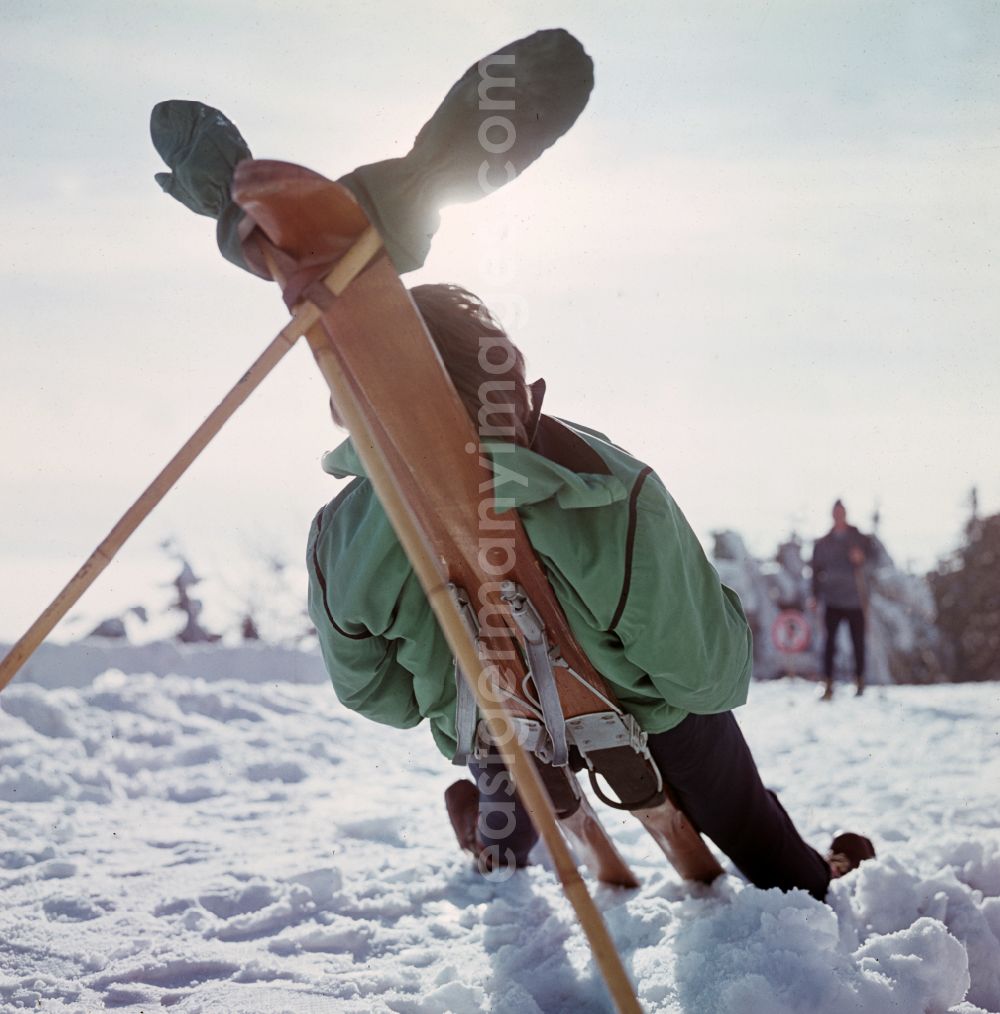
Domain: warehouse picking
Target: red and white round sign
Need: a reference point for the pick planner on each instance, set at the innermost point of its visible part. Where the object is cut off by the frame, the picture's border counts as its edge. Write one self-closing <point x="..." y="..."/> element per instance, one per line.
<point x="790" y="631"/>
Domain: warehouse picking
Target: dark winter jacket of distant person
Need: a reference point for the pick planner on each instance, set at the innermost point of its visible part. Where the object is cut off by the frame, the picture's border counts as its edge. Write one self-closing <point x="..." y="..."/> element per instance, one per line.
<point x="834" y="574"/>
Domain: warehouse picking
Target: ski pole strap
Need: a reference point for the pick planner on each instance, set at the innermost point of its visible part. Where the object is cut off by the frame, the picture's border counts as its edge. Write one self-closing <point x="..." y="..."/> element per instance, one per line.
<point x="466" y="712"/>
<point x="536" y="650"/>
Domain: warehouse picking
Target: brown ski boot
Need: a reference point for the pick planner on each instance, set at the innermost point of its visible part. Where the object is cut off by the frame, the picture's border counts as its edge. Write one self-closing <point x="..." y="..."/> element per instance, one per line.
<point x="462" y="801"/>
<point x="847" y="852"/>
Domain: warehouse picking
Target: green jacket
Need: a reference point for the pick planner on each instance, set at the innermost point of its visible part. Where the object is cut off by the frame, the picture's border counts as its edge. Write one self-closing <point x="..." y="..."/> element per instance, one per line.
<point x="641" y="597"/>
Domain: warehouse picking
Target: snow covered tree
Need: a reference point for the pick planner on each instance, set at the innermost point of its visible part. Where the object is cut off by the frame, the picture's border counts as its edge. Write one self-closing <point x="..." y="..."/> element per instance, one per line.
<point x="192" y="632"/>
<point x="967" y="593"/>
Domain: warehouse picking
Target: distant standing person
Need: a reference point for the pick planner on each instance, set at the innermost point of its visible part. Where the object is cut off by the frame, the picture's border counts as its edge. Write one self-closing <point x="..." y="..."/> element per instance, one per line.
<point x="838" y="581"/>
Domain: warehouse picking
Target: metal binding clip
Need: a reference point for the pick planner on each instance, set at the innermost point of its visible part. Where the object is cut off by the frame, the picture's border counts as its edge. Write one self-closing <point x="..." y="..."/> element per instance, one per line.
<point x="536" y="651"/>
<point x="466" y="712"/>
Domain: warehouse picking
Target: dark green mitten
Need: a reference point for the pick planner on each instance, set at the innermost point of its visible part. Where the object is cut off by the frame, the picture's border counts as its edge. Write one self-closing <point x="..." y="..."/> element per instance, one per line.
<point x="503" y="112"/>
<point x="201" y="146"/>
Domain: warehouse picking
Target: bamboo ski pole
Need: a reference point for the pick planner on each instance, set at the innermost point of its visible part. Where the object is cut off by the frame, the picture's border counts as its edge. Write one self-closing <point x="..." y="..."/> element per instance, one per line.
<point x="529" y="784"/>
<point x="346" y="269"/>
<point x="422" y="558"/>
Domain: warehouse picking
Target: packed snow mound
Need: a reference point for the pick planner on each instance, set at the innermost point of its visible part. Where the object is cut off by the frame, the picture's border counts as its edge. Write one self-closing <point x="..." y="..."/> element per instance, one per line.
<point x="246" y="845"/>
<point x="78" y="664"/>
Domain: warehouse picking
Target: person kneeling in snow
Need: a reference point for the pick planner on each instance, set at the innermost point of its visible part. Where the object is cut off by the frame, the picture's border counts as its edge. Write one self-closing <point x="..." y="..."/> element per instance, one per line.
<point x="642" y="599"/>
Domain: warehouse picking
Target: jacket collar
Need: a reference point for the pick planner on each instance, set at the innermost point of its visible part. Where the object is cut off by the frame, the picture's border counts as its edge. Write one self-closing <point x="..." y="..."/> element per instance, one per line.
<point x="522" y="476"/>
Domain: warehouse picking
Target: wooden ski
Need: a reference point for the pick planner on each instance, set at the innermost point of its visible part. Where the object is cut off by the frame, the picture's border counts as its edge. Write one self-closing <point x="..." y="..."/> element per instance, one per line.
<point x="430" y="445"/>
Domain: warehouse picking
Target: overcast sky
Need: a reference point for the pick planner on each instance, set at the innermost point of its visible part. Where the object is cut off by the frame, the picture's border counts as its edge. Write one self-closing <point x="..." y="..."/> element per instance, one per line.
<point x="765" y="260"/>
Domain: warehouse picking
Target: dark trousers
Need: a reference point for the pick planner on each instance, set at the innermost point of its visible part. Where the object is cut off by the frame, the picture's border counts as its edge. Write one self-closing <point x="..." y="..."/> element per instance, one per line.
<point x="708" y="764"/>
<point x="833" y="616"/>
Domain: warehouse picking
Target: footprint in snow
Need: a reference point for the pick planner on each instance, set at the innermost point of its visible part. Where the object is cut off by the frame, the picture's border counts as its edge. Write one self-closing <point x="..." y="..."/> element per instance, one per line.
<point x="75" y="909"/>
<point x="16" y="859"/>
<point x="276" y="771"/>
<point x="229" y="901"/>
<point x="384" y="830"/>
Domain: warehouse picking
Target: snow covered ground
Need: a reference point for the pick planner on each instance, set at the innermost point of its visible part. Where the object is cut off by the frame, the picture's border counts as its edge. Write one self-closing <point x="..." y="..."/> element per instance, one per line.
<point x="243" y="844"/>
